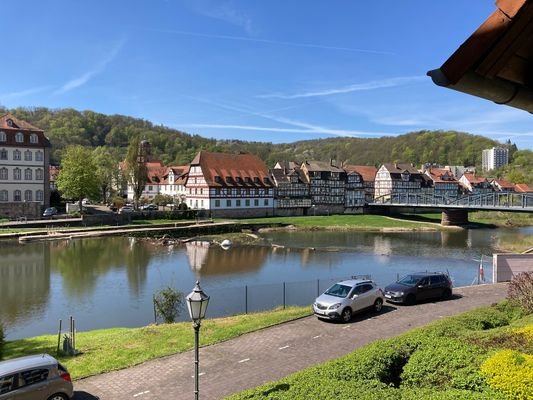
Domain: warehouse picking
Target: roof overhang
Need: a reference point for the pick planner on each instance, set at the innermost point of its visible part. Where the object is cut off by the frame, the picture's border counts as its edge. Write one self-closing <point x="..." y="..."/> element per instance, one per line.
<point x="496" y="61"/>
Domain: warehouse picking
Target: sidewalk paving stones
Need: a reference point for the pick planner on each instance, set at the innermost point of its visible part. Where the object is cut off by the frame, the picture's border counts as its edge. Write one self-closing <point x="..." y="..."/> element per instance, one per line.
<point x="272" y="353"/>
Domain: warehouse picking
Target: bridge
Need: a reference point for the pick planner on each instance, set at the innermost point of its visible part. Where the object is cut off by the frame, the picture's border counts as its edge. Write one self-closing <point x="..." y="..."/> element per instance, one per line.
<point x="455" y="209"/>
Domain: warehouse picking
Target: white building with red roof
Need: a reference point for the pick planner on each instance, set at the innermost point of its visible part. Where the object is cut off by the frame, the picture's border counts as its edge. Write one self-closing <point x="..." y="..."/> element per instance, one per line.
<point x="475" y="184"/>
<point x="229" y="185"/>
<point x="24" y="174"/>
<point x="445" y="184"/>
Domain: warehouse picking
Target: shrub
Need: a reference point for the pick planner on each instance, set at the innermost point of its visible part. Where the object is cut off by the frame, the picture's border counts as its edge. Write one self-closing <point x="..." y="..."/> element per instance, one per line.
<point x="2" y="341"/>
<point x="521" y="290"/>
<point x="444" y="363"/>
<point x="168" y="304"/>
<point x="511" y="372"/>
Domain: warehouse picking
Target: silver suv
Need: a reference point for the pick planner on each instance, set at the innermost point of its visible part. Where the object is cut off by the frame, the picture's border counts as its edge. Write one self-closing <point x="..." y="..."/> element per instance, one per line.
<point x="39" y="377"/>
<point x="344" y="298"/>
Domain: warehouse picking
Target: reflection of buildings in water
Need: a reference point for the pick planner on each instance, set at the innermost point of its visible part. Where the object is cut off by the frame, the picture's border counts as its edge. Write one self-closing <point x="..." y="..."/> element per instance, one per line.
<point x="24" y="281"/>
<point x="197" y="254"/>
<point x="382" y="245"/>
<point x="456" y="238"/>
<point x="216" y="261"/>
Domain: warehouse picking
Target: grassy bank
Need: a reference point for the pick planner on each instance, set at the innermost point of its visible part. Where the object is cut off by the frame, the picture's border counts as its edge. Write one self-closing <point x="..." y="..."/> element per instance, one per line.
<point x="502" y="219"/>
<point x="353" y="222"/>
<point x="480" y="355"/>
<point x="110" y="349"/>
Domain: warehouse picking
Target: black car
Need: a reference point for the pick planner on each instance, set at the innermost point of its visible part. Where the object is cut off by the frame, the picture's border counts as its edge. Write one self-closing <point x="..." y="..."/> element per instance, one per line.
<point x="420" y="286"/>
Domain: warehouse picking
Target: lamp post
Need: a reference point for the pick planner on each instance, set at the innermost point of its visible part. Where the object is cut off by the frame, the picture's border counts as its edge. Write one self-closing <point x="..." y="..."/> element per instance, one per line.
<point x="197" y="302"/>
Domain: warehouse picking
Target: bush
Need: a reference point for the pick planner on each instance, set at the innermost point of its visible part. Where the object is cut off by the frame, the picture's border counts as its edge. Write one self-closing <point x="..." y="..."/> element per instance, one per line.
<point x="511" y="372"/>
<point x="521" y="291"/>
<point x="2" y="341"/>
<point x="168" y="304"/>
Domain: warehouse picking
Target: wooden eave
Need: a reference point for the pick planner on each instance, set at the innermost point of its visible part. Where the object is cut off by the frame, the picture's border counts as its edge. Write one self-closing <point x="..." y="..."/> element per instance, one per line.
<point x="496" y="61"/>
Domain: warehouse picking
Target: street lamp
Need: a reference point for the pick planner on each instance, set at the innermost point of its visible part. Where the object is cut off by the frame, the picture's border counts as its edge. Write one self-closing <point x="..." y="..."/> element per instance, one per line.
<point x="197" y="302"/>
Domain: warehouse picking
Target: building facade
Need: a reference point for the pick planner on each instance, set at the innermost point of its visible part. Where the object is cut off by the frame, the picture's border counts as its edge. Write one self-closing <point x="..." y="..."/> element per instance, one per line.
<point x="291" y="191"/>
<point x="24" y="168"/>
<point x="326" y="186"/>
<point x="398" y="179"/>
<point x="494" y="158"/>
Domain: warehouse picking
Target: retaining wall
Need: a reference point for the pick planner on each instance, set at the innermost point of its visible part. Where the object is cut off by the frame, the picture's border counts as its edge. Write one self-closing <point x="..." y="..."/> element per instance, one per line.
<point x="505" y="266"/>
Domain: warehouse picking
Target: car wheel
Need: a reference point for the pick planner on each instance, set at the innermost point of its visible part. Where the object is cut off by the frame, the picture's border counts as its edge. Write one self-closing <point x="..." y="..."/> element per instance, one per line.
<point x="58" y="396"/>
<point x="446" y="294"/>
<point x="378" y="305"/>
<point x="346" y="315"/>
<point x="410" y="299"/>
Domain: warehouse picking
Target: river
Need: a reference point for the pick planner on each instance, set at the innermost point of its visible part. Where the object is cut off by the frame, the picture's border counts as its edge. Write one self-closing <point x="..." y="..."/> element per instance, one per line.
<point x="108" y="282"/>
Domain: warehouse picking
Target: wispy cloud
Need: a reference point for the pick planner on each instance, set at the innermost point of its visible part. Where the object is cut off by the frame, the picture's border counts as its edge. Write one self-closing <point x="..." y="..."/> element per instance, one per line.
<point x="274" y="42"/>
<point x="358" y="87"/>
<point x="24" y="93"/>
<point x="97" y="69"/>
<point x="224" y="11"/>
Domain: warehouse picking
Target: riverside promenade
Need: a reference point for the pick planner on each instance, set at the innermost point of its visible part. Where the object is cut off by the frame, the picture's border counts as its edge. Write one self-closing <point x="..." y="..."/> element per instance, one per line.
<point x="272" y="353"/>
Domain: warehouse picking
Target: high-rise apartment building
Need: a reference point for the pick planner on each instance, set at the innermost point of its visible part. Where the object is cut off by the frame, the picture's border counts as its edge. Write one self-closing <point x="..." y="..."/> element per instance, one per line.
<point x="494" y="158"/>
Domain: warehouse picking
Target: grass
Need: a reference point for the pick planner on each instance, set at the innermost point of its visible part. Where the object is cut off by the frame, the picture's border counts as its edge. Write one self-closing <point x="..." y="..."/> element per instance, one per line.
<point x="111" y="349"/>
<point x="502" y="219"/>
<point x="353" y="222"/>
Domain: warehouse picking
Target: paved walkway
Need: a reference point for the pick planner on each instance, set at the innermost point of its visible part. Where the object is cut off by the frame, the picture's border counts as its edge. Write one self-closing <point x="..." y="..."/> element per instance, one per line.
<point x="273" y="353"/>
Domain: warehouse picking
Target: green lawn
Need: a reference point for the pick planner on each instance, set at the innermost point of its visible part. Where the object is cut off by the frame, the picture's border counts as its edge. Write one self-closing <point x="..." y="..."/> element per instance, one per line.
<point x="110" y="349"/>
<point x="362" y="222"/>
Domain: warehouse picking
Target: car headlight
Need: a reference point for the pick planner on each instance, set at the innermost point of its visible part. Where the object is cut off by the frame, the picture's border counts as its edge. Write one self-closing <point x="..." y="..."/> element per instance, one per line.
<point x="400" y="293"/>
<point x="335" y="306"/>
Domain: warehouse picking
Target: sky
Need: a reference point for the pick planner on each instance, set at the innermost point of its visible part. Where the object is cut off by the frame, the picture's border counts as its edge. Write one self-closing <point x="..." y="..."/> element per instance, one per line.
<point x="274" y="70"/>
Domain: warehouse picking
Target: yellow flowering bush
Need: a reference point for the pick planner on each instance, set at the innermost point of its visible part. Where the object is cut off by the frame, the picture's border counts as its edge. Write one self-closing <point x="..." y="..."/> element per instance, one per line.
<point x="510" y="372"/>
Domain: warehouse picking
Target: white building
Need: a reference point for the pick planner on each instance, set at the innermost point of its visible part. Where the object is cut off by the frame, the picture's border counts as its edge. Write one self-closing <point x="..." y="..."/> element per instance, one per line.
<point x="24" y="161"/>
<point x="494" y="158"/>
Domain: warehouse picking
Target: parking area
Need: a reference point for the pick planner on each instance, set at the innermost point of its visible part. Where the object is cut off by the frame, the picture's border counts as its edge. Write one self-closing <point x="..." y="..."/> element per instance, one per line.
<point x="273" y="353"/>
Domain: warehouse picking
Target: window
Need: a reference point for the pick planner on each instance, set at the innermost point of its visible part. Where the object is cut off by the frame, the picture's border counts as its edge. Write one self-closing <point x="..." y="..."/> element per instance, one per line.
<point x="247" y="203"/>
<point x="28" y="174"/>
<point x="39" y="174"/>
<point x="217" y="203"/>
<point x="4" y="197"/>
<point x="7" y="384"/>
<point x="3" y="136"/>
<point x="28" y="195"/>
<point x="256" y="202"/>
<point x="39" y="156"/>
<point x="228" y="203"/>
<point x="39" y="195"/>
<point x="266" y="202"/>
<point x="33" y="376"/>
<point x="16" y="174"/>
<point x="17" y="195"/>
<point x="19" y="137"/>
<point x="3" y="154"/>
<point x="237" y="203"/>
<point x="16" y="155"/>
<point x="3" y="174"/>
<point x="28" y="155"/>
<point x="33" y="138"/>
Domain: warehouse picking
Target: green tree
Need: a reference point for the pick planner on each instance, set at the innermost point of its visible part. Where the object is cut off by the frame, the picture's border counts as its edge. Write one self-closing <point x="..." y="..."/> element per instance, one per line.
<point x="136" y="171"/>
<point x="107" y="162"/>
<point x="77" y="178"/>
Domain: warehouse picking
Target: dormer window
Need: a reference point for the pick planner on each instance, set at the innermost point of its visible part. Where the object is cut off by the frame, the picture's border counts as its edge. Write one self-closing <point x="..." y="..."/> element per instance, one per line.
<point x="34" y="138"/>
<point x="405" y="176"/>
<point x="247" y="179"/>
<point x="229" y="179"/>
<point x="256" y="179"/>
<point x="19" y="137"/>
<point x="266" y="180"/>
<point x="218" y="179"/>
<point x="3" y="136"/>
<point x="9" y="122"/>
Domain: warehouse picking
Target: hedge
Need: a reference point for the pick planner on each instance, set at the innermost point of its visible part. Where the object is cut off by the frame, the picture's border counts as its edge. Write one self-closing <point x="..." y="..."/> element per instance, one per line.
<point x="511" y="372"/>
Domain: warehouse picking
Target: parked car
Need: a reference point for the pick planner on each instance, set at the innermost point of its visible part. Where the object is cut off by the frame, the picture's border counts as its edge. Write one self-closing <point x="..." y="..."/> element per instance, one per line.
<point x="150" y="207"/>
<point x="38" y="377"/>
<point x="86" y="202"/>
<point x="344" y="298"/>
<point x="50" y="212"/>
<point x="420" y="286"/>
<point x="126" y="209"/>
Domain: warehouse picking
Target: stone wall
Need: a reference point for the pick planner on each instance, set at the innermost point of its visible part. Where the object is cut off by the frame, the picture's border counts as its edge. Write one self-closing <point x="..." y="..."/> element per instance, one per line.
<point x="289" y="212"/>
<point x="505" y="266"/>
<point x="20" y="209"/>
<point x="242" y="213"/>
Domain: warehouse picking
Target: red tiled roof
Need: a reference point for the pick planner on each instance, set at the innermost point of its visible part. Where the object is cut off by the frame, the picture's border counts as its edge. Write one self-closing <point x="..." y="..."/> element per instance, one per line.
<point x="366" y="171"/>
<point x="16" y="124"/>
<point x="504" y="184"/>
<point x="523" y="188"/>
<point x="472" y="178"/>
<point x="437" y="174"/>
<point x="155" y="171"/>
<point x="224" y="165"/>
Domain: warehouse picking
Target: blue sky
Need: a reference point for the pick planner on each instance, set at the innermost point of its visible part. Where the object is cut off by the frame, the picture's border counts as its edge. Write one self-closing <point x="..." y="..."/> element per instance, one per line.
<point x="276" y="70"/>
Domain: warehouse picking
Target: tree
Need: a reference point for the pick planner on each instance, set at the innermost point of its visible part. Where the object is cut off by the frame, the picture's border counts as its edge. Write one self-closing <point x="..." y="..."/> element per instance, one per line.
<point x="136" y="171"/>
<point x="107" y="161"/>
<point x="77" y="178"/>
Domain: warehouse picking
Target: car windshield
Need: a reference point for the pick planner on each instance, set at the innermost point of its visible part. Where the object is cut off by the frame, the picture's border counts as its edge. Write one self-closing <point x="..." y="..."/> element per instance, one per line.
<point x="409" y="280"/>
<point x="338" y="290"/>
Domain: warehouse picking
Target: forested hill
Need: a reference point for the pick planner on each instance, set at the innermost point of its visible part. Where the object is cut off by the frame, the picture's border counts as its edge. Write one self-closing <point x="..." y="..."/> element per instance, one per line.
<point x="67" y="126"/>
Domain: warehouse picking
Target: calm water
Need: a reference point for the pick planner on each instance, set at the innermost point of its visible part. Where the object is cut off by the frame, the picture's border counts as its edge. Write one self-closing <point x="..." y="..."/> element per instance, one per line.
<point x="110" y="281"/>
